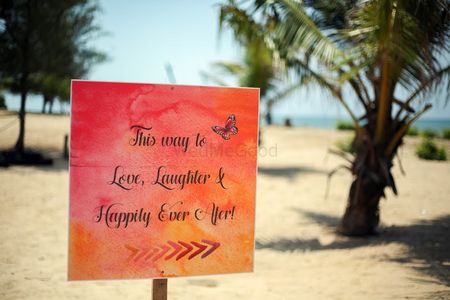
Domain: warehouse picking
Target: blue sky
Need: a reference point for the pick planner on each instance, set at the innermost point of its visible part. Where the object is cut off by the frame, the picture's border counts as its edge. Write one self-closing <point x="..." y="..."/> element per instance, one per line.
<point x="144" y="36"/>
<point x="147" y="35"/>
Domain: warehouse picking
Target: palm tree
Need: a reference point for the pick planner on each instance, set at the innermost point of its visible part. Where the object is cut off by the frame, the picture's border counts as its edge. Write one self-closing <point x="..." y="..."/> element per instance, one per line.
<point x="392" y="54"/>
<point x="259" y="67"/>
<point x="256" y="70"/>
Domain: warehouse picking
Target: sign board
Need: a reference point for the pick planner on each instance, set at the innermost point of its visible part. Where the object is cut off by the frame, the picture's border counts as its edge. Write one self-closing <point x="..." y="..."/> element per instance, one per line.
<point x="162" y="180"/>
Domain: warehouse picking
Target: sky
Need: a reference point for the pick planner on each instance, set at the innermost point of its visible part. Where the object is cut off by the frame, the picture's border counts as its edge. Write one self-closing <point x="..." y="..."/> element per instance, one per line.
<point x="142" y="37"/>
<point x="146" y="36"/>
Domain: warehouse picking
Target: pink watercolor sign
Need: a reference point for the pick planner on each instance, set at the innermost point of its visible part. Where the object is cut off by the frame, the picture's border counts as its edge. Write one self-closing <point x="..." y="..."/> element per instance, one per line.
<point x="162" y="180"/>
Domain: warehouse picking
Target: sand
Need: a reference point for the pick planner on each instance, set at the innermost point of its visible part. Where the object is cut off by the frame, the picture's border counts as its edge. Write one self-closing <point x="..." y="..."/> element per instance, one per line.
<point x="298" y="254"/>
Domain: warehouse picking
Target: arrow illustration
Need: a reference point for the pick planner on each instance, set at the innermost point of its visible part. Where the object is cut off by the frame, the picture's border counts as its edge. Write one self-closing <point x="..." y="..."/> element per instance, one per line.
<point x="173" y="249"/>
<point x="153" y="251"/>
<point x="176" y="248"/>
<point x="162" y="253"/>
<point x="143" y="252"/>
<point x="188" y="249"/>
<point x="200" y="250"/>
<point x="214" y="246"/>
<point x="133" y="250"/>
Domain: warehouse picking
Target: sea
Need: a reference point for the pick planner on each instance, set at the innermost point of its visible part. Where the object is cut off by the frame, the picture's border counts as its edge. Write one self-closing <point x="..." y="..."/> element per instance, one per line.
<point x="35" y="105"/>
<point x="330" y="122"/>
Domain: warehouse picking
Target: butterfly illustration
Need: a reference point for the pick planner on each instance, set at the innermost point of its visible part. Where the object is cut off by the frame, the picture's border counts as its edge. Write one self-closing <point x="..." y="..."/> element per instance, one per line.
<point x="229" y="129"/>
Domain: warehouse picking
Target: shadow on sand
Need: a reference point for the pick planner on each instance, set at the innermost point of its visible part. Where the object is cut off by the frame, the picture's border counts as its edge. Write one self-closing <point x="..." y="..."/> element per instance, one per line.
<point x="288" y="172"/>
<point x="59" y="164"/>
<point x="428" y="243"/>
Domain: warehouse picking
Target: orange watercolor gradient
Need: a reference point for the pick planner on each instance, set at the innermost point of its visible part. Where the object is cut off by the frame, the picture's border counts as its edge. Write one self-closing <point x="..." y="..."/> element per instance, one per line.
<point x="102" y="114"/>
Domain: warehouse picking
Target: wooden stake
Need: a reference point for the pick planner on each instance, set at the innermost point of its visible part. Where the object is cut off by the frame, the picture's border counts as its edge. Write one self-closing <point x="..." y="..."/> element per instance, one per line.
<point x="66" y="147"/>
<point x="159" y="290"/>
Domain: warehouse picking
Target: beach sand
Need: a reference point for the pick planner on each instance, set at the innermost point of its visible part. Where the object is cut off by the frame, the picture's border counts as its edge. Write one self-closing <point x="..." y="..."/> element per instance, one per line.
<point x="298" y="254"/>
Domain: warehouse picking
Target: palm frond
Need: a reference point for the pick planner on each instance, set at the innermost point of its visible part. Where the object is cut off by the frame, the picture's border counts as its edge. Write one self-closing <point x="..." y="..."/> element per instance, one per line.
<point x="299" y="32"/>
<point x="243" y="25"/>
<point x="229" y="68"/>
<point x="208" y="77"/>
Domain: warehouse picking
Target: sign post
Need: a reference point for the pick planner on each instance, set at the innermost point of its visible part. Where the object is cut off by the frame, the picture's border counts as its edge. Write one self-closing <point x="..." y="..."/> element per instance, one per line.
<point x="159" y="289"/>
<point x="162" y="181"/>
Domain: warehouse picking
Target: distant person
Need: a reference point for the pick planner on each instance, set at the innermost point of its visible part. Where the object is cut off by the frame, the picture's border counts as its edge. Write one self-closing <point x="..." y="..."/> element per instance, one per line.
<point x="287" y="122"/>
<point x="269" y="118"/>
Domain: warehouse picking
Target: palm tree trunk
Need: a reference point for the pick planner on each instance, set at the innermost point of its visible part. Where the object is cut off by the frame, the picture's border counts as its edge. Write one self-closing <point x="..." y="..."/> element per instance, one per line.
<point x="50" y="109"/>
<point x="19" y="147"/>
<point x="361" y="216"/>
<point x="21" y="138"/>
<point x="44" y="103"/>
<point x="371" y="171"/>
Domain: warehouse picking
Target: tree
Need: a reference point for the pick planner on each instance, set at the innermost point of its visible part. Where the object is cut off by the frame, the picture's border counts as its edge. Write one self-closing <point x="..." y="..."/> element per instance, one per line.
<point x="392" y="54"/>
<point x="260" y="67"/>
<point x="44" y="39"/>
<point x="256" y="70"/>
<point x="51" y="87"/>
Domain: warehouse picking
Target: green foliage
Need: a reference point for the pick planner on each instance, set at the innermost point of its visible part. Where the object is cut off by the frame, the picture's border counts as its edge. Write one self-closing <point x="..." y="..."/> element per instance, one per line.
<point x="259" y="67"/>
<point x="446" y="133"/>
<point x="44" y="43"/>
<point x="362" y="50"/>
<point x="412" y="131"/>
<point x="345" y="125"/>
<point x="256" y="70"/>
<point x="428" y="150"/>
<point x="340" y="44"/>
<point x="46" y="37"/>
<point x="347" y="145"/>
<point x="429" y="133"/>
